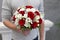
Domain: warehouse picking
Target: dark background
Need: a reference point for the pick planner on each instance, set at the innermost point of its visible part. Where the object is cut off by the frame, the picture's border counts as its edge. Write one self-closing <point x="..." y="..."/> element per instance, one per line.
<point x="52" y="12"/>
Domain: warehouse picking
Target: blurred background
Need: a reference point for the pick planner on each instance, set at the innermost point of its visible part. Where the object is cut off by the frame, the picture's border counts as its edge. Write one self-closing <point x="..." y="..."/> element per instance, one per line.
<point x="52" y="12"/>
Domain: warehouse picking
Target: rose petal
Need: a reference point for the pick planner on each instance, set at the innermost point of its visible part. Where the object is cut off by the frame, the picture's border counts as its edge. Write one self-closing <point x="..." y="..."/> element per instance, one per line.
<point x="31" y="15"/>
<point x="21" y="22"/>
<point x="34" y="25"/>
<point x="37" y="13"/>
<point x="29" y="6"/>
<point x="40" y="21"/>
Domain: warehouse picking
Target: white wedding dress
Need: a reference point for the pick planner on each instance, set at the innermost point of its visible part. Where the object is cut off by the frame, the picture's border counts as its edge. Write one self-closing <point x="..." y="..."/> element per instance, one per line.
<point x="10" y="6"/>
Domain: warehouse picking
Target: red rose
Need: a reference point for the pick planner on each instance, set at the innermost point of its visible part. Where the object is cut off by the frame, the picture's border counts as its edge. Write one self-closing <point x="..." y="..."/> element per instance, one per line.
<point x="34" y="25"/>
<point x="31" y="15"/>
<point x="22" y="12"/>
<point x="14" y="18"/>
<point x="37" y="13"/>
<point x="40" y="21"/>
<point x="29" y="6"/>
<point x="21" y="22"/>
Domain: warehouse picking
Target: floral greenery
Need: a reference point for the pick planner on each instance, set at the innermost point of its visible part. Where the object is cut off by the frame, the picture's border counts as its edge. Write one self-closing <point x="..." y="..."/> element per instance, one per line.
<point x="25" y="28"/>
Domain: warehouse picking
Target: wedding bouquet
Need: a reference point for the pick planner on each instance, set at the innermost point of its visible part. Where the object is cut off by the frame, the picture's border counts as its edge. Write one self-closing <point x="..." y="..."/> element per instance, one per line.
<point x="27" y="18"/>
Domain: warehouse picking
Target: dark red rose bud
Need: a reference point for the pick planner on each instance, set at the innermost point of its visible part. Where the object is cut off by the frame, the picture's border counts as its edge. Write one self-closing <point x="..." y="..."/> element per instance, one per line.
<point x="40" y="21"/>
<point x="14" y="18"/>
<point x="37" y="13"/>
<point x="29" y="6"/>
<point x="22" y="12"/>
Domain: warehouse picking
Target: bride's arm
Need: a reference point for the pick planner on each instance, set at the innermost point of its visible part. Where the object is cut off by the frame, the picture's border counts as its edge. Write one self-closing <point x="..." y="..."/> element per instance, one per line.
<point x="10" y="25"/>
<point x="6" y="14"/>
<point x="41" y="31"/>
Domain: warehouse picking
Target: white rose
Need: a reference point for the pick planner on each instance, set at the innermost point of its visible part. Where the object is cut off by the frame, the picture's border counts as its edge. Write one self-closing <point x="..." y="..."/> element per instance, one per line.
<point x="27" y="24"/>
<point x="37" y="21"/>
<point x="25" y="15"/>
<point x="33" y="9"/>
<point x="28" y="9"/>
<point x="16" y="21"/>
<point x="38" y="25"/>
<point x="28" y="20"/>
<point x="22" y="9"/>
<point x="18" y="16"/>
<point x="36" y="18"/>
